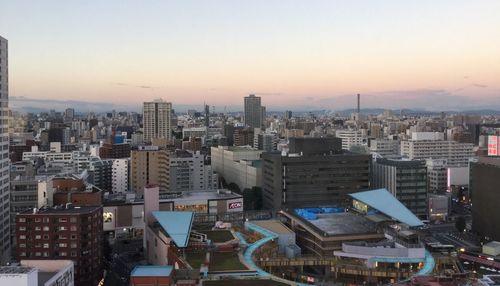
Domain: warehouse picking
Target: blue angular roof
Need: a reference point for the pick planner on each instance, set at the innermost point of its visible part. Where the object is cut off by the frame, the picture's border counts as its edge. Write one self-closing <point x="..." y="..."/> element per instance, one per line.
<point x="386" y="203"/>
<point x="176" y="224"/>
<point x="151" y="271"/>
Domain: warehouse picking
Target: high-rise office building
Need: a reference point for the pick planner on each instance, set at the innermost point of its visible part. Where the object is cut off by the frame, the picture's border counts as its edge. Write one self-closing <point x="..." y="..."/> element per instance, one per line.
<point x="312" y="177"/>
<point x="253" y="111"/>
<point x="486" y="197"/>
<point x="406" y="180"/>
<point x="157" y="120"/>
<point x="4" y="154"/>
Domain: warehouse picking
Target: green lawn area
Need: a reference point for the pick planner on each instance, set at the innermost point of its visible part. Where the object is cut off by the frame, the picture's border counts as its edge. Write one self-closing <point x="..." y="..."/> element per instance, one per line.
<point x="246" y="282"/>
<point x="195" y="259"/>
<point x="220" y="261"/>
<point x="219" y="235"/>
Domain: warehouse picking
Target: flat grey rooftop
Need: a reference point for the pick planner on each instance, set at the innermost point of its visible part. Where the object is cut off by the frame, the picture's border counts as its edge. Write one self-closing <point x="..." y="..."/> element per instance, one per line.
<point x="44" y="277"/>
<point x="343" y="224"/>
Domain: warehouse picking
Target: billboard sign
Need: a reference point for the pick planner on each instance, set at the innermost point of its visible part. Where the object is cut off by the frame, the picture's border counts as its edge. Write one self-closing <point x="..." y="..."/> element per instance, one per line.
<point x="235" y="205"/>
<point x="493" y="142"/>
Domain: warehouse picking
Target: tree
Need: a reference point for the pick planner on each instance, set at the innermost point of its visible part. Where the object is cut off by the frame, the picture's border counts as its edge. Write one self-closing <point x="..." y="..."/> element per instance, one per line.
<point x="234" y="187"/>
<point x="460" y="223"/>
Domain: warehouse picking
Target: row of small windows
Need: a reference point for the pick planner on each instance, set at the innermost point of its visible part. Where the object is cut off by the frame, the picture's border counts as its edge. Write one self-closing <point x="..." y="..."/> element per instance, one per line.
<point x="46" y="219"/>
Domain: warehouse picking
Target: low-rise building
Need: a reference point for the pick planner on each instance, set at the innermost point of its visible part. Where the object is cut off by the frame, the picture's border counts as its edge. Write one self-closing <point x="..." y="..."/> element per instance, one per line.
<point x="38" y="273"/>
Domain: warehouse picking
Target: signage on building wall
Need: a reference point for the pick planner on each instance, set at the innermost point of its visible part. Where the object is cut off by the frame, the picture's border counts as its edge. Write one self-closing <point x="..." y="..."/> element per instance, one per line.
<point x="235" y="205"/>
<point x="493" y="144"/>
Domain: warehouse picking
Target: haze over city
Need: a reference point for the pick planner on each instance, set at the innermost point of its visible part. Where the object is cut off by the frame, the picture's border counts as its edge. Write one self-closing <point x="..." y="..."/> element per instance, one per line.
<point x="300" y="55"/>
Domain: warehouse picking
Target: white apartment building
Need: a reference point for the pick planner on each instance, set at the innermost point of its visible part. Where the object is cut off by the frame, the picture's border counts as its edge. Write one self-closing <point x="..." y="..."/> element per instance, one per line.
<point x="419" y="136"/>
<point x="188" y="172"/>
<point x="386" y="148"/>
<point x="120" y="175"/>
<point x="240" y="165"/>
<point x="351" y="137"/>
<point x="194" y="132"/>
<point x="437" y="174"/>
<point x="457" y="154"/>
<point x="157" y="120"/>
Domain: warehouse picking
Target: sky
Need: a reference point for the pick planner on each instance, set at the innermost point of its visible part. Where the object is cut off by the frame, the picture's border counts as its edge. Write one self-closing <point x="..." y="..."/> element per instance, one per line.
<point x="432" y="54"/>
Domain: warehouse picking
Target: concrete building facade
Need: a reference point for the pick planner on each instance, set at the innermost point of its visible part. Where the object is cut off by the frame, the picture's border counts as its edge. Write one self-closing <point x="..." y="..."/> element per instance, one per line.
<point x="406" y="180"/>
<point x="457" y="154"/>
<point x="239" y="165"/>
<point x="486" y="197"/>
<point x="294" y="181"/>
<point x="157" y="120"/>
<point x="253" y="111"/>
<point x="4" y="153"/>
<point x="120" y="175"/>
<point x="148" y="165"/>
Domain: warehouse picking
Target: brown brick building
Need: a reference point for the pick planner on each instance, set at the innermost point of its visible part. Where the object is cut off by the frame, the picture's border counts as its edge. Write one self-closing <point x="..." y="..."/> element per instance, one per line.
<point x="114" y="151"/>
<point x="74" y="190"/>
<point x="73" y="233"/>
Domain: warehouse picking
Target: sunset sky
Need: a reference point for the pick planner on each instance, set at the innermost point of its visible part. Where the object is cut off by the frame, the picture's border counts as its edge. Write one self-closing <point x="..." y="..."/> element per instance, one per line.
<point x="422" y="53"/>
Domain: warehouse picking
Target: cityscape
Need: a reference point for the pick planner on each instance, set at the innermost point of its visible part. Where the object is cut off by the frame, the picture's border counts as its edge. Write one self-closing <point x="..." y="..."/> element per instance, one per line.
<point x="223" y="143"/>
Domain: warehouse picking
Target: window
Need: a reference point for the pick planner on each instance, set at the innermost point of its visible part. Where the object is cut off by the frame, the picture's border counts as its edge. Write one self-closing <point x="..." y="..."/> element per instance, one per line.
<point x="46" y="219"/>
<point x="74" y="245"/>
<point x="22" y="228"/>
<point x="22" y="219"/>
<point x="22" y="236"/>
<point x="63" y="228"/>
<point x="63" y="253"/>
<point x="63" y="219"/>
<point x="38" y="254"/>
<point x="73" y="228"/>
<point x="22" y="245"/>
<point x="45" y="245"/>
<point x="72" y="219"/>
<point x="38" y="236"/>
<point x="73" y="253"/>
<point x="73" y="237"/>
<point x="63" y="245"/>
<point x="45" y="236"/>
<point x="46" y="228"/>
<point x="37" y="228"/>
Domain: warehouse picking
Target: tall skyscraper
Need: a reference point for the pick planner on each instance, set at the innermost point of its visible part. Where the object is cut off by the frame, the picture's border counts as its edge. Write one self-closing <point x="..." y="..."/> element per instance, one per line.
<point x="157" y="120"/>
<point x="4" y="154"/>
<point x="253" y="111"/>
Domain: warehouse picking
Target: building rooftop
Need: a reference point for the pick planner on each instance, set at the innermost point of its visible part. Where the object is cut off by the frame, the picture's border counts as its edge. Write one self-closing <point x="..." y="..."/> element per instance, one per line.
<point x="16" y="270"/>
<point x="151" y="271"/>
<point x="199" y="196"/>
<point x="343" y="223"/>
<point x="386" y="203"/>
<point x="62" y="210"/>
<point x="191" y="196"/>
<point x="242" y="149"/>
<point x="176" y="224"/>
<point x="274" y="226"/>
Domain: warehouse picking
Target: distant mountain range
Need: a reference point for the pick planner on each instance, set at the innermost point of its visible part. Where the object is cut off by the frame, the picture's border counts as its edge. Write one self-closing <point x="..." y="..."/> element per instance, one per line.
<point x="29" y="105"/>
